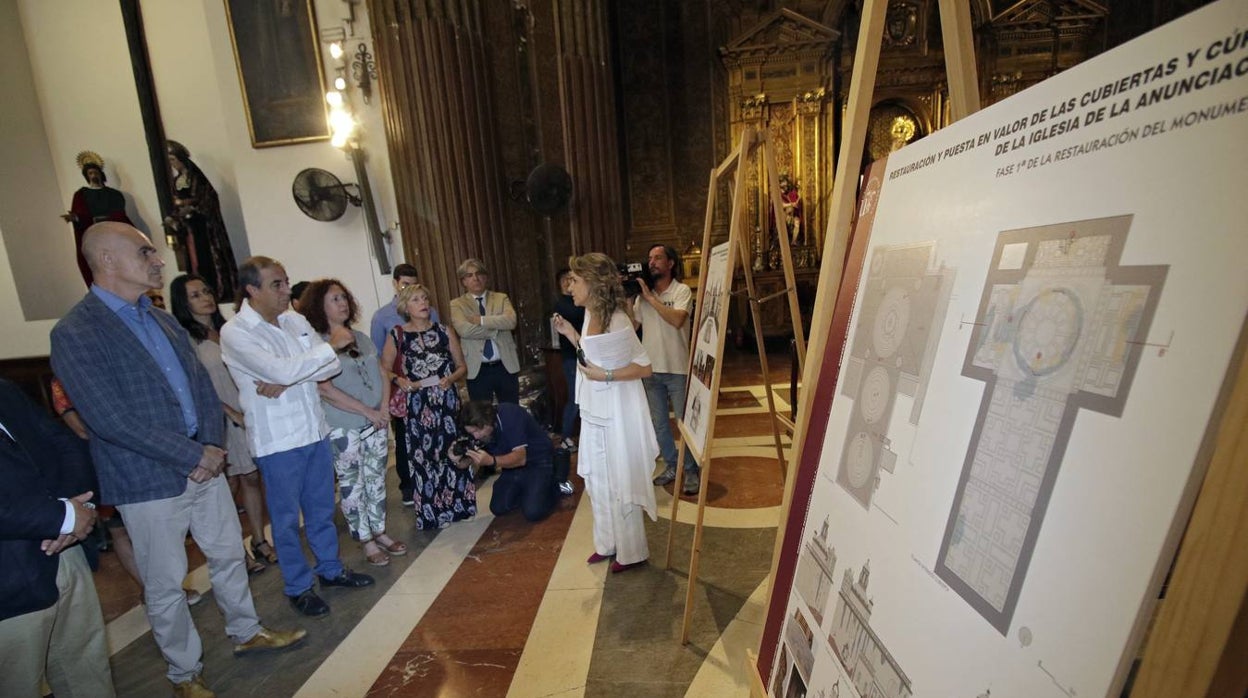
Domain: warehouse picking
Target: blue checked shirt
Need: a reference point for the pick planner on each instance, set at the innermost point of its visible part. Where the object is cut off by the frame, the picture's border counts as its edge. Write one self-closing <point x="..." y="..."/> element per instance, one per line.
<point x="137" y="317"/>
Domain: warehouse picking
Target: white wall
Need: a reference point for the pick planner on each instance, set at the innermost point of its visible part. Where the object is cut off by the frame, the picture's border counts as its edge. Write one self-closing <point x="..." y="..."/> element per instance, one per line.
<point x="30" y="199"/>
<point x="81" y="70"/>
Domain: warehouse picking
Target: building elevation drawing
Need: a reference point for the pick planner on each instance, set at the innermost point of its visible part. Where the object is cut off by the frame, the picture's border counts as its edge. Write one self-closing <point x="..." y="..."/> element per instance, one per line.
<point x="1059" y="329"/>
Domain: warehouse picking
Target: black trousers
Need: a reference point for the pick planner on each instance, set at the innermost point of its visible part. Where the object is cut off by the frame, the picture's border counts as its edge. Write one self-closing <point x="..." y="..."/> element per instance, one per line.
<point x="532" y="489"/>
<point x="401" y="464"/>
<point x="494" y="380"/>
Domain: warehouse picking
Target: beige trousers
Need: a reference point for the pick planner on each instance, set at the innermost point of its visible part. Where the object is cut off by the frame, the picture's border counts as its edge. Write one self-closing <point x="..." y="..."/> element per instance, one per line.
<point x="65" y="641"/>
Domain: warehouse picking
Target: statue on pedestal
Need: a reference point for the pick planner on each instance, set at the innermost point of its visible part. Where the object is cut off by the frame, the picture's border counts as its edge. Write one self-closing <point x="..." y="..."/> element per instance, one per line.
<point x="92" y="204"/>
<point x="197" y="227"/>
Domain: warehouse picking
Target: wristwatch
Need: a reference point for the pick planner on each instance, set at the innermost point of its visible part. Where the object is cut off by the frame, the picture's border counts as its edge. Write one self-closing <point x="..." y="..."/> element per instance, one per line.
<point x="610" y="375"/>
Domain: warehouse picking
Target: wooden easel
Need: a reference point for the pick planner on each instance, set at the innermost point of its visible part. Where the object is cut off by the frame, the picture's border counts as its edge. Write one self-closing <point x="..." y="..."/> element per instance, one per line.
<point x="738" y="250"/>
<point x="1196" y="645"/>
<point x="964" y="100"/>
<point x="955" y="20"/>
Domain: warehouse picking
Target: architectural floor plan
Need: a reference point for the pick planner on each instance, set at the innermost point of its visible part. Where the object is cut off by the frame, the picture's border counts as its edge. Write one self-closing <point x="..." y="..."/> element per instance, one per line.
<point x="1059" y="330"/>
<point x="903" y="302"/>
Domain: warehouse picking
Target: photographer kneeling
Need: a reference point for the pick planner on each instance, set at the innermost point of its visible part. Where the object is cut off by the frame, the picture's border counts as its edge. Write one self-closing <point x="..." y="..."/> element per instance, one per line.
<point x="512" y="440"/>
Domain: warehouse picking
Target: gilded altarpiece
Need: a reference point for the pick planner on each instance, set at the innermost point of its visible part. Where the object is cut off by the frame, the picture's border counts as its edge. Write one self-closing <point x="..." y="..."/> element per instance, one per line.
<point x="779" y="79"/>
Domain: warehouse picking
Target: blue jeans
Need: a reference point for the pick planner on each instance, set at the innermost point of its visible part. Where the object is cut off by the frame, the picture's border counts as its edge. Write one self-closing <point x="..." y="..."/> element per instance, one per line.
<point x="570" y="410"/>
<point x="302" y="479"/>
<point x="662" y="388"/>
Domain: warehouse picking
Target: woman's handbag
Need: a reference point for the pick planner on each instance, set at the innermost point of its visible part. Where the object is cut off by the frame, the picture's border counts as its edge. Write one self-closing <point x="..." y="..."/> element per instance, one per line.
<point x="398" y="398"/>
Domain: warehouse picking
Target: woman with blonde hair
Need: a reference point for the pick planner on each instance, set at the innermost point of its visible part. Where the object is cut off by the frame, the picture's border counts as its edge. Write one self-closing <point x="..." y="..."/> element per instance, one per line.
<point x="424" y="361"/>
<point x="618" y="448"/>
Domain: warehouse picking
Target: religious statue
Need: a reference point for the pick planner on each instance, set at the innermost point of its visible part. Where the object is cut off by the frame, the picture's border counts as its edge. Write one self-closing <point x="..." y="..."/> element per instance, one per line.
<point x="93" y="203"/>
<point x="196" y="224"/>
<point x="902" y="131"/>
<point x="792" y="202"/>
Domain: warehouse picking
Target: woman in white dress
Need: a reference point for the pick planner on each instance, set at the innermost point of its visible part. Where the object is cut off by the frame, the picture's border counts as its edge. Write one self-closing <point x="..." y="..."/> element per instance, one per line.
<point x="618" y="448"/>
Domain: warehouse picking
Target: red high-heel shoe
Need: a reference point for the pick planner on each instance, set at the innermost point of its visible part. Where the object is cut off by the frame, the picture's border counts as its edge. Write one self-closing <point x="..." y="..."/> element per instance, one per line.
<point x="617" y="568"/>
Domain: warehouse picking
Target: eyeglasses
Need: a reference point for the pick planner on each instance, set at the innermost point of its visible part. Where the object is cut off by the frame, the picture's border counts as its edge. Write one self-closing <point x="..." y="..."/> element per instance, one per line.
<point x="352" y="350"/>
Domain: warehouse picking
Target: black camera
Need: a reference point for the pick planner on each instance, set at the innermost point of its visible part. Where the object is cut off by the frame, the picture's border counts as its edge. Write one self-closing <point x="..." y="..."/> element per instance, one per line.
<point x="630" y="272"/>
<point x="463" y="444"/>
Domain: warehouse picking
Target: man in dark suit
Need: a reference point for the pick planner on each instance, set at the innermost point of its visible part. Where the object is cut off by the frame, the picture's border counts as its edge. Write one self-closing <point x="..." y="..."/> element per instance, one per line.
<point x="50" y="621"/>
<point x="156" y="432"/>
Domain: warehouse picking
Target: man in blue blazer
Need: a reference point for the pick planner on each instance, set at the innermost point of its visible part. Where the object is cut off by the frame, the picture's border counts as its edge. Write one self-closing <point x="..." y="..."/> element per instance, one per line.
<point x="50" y="620"/>
<point x="156" y="432"/>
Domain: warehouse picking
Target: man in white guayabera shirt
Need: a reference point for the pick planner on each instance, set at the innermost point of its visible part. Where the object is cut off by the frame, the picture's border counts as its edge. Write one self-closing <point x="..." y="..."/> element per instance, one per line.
<point x="276" y="358"/>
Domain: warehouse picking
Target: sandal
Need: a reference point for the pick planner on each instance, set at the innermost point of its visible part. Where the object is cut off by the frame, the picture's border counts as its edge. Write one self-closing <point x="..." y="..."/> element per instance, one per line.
<point x="377" y="559"/>
<point x="254" y="566"/>
<point x="394" y="547"/>
<point x="264" y="551"/>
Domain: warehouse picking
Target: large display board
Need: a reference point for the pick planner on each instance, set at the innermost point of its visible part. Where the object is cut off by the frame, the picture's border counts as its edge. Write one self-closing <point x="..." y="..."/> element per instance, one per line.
<point x="1047" y="297"/>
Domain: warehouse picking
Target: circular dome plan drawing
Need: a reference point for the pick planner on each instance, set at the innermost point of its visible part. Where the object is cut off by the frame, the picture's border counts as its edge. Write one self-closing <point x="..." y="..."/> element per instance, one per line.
<point x="1048" y="330"/>
<point x="859" y="458"/>
<point x="891" y="320"/>
<point x="876" y="391"/>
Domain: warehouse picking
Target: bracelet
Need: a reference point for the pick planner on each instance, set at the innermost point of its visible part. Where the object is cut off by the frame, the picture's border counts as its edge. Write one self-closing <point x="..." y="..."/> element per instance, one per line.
<point x="610" y="375"/>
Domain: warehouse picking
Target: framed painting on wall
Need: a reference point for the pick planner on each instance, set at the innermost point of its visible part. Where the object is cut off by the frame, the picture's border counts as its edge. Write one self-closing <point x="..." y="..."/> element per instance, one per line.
<point x="278" y="58"/>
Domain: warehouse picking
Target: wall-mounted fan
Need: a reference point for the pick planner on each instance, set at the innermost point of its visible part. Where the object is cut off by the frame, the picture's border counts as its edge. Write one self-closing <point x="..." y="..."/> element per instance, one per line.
<point x="321" y="195"/>
<point x="547" y="190"/>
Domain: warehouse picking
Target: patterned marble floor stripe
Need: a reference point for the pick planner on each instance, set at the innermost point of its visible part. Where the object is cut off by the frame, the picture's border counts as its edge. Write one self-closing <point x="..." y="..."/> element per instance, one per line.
<point x="560" y="646"/>
<point x="470" y="640"/>
<point x="366" y="652"/>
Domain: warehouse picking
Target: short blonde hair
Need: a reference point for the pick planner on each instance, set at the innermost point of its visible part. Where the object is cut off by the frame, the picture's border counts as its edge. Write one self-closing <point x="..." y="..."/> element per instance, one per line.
<point x="470" y="265"/>
<point x="406" y="295"/>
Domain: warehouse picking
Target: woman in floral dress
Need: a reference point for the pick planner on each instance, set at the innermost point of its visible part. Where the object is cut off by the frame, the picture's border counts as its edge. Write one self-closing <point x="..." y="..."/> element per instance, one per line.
<point x="430" y="363"/>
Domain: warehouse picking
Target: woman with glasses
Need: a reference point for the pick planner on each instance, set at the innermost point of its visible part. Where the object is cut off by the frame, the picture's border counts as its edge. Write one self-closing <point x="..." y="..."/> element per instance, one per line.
<point x="353" y="402"/>
<point x="425" y="361"/>
<point x="195" y="307"/>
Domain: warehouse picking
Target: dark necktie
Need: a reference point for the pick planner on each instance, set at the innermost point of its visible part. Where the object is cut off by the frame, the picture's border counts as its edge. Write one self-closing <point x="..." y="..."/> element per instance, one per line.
<point x="487" y="353"/>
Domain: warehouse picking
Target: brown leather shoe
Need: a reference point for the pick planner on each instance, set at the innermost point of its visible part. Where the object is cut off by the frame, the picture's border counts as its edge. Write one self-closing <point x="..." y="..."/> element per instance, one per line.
<point x="194" y="688"/>
<point x="270" y="641"/>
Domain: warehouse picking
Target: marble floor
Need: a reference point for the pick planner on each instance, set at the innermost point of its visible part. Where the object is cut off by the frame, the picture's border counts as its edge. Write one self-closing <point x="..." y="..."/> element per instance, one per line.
<point x="502" y="607"/>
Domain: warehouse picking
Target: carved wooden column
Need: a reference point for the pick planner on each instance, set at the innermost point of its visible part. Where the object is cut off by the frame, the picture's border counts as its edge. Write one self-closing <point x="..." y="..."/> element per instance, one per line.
<point x="440" y="129"/>
<point x="587" y="103"/>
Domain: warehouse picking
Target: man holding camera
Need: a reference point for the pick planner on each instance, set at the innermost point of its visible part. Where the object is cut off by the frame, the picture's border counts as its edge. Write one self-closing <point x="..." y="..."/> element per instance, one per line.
<point x="510" y="439"/>
<point x="662" y="313"/>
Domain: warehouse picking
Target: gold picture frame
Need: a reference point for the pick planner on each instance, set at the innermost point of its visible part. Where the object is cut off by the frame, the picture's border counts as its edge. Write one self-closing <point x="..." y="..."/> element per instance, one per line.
<point x="277" y="54"/>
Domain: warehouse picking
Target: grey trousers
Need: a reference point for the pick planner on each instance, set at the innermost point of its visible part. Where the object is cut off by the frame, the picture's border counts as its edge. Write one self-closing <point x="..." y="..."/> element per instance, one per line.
<point x="158" y="530"/>
<point x="64" y="641"/>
